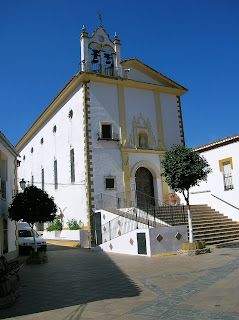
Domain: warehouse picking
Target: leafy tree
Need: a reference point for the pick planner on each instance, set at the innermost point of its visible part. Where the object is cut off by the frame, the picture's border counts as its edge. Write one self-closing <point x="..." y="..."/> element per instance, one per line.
<point x="33" y="205"/>
<point x="184" y="168"/>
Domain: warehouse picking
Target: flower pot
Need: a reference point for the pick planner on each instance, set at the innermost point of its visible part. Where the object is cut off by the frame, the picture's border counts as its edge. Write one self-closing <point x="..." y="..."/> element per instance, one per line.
<point x="57" y="234"/>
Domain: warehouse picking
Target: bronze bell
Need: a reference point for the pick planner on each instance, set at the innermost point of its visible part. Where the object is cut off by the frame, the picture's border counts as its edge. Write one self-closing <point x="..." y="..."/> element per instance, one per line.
<point x="107" y="56"/>
<point x="95" y="56"/>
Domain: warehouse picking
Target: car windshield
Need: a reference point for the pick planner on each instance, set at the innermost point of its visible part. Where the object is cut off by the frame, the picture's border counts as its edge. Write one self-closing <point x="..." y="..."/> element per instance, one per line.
<point x="24" y="233"/>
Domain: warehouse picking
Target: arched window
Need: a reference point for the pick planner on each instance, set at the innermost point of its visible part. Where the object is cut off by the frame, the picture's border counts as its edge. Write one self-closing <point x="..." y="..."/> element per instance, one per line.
<point x="143" y="140"/>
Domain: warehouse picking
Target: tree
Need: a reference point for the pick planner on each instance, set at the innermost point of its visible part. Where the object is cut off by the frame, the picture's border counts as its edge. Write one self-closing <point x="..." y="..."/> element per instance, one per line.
<point x="33" y="205"/>
<point x="184" y="168"/>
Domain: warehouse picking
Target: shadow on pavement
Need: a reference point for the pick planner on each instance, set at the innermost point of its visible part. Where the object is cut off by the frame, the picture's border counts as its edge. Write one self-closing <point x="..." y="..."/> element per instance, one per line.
<point x="71" y="277"/>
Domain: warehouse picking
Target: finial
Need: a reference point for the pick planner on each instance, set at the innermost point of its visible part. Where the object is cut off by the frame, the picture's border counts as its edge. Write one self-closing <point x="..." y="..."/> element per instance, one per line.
<point x="100" y="17"/>
<point x="116" y="36"/>
<point x="83" y="28"/>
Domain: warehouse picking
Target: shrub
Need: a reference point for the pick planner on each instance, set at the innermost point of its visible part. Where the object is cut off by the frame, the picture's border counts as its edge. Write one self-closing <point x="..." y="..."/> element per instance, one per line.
<point x="74" y="225"/>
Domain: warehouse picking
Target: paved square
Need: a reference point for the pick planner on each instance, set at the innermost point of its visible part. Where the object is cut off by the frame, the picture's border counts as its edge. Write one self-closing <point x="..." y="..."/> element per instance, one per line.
<point x="82" y="284"/>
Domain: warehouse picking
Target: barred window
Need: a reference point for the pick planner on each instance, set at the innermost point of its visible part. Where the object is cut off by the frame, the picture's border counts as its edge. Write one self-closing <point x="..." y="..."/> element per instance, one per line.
<point x="227" y="175"/>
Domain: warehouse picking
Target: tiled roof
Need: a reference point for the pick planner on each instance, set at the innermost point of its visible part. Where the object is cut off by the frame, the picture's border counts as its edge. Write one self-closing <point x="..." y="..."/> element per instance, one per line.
<point x="217" y="143"/>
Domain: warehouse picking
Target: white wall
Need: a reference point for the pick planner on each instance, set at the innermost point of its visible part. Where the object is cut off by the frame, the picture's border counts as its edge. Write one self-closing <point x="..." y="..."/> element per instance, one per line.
<point x="202" y="194"/>
<point x="70" y="197"/>
<point x="136" y="75"/>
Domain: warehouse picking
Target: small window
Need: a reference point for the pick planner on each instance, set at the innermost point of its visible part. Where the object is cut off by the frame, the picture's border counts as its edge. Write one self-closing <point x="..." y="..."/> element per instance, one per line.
<point x="42" y="141"/>
<point x="42" y="179"/>
<point x="70" y="114"/>
<point x="227" y="175"/>
<point x="110" y="183"/>
<point x="72" y="161"/>
<point x="24" y="157"/>
<point x="55" y="174"/>
<point x="106" y="130"/>
<point x="32" y="150"/>
<point x="54" y="129"/>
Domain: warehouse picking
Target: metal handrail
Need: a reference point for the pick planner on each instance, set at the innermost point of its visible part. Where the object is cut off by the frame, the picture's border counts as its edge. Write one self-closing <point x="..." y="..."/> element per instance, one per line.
<point x="98" y="68"/>
<point x="225" y="202"/>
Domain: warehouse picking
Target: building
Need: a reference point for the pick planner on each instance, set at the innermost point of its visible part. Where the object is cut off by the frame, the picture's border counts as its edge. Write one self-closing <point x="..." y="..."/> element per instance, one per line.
<point x="103" y="137"/>
<point x="8" y="179"/>
<point x="220" y="191"/>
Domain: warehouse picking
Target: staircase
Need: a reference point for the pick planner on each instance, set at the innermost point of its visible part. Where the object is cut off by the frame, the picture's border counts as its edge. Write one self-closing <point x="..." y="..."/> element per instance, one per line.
<point x="212" y="226"/>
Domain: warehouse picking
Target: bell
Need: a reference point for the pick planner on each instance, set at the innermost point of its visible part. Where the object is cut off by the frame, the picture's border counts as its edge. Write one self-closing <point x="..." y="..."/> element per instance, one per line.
<point x="95" y="55"/>
<point x="107" y="56"/>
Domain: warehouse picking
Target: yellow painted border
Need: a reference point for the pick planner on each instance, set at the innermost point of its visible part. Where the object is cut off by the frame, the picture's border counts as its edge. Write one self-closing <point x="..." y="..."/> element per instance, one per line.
<point x="163" y="255"/>
<point x="146" y="164"/>
<point x="225" y="160"/>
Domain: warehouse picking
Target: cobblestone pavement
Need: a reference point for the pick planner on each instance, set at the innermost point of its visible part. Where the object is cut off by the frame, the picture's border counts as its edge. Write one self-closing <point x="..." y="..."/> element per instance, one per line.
<point x="82" y="284"/>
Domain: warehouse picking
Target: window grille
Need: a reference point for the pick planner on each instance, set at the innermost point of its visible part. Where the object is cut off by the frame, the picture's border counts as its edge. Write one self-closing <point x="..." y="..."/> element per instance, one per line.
<point x="227" y="175"/>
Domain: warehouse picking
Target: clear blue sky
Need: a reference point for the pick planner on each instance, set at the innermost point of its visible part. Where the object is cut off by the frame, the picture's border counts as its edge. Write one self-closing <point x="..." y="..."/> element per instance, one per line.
<point x="194" y="42"/>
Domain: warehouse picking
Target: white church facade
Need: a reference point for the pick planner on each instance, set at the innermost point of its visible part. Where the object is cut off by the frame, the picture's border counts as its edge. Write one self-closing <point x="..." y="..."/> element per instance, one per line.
<point x="105" y="133"/>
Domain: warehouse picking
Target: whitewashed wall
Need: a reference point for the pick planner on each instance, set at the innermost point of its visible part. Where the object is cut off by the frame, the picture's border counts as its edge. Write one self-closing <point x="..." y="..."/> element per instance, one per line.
<point x="70" y="197"/>
<point x="202" y="194"/>
<point x="4" y="204"/>
<point x="136" y="75"/>
<point x="106" y="155"/>
<point x="170" y="118"/>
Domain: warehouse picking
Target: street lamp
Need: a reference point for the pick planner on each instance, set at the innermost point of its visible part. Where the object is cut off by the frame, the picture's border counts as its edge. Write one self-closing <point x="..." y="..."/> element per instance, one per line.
<point x="23" y="184"/>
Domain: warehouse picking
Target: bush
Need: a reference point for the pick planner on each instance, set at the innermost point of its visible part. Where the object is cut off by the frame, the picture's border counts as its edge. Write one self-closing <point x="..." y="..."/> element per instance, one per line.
<point x="74" y="225"/>
<point x="57" y="224"/>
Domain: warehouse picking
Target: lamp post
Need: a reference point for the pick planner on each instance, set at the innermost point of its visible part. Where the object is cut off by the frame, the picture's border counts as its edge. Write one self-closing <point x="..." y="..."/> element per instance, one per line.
<point x="23" y="184"/>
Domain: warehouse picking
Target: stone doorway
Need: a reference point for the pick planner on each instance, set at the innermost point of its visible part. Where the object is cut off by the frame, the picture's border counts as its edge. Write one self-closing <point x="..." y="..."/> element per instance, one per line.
<point x="144" y="187"/>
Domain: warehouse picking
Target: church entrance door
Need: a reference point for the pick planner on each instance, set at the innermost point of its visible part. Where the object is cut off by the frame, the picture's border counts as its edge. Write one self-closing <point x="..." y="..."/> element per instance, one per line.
<point x="144" y="187"/>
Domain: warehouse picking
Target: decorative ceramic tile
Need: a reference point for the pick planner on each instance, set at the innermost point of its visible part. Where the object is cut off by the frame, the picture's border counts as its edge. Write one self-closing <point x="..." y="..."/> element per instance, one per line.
<point x="159" y="237"/>
<point x="104" y="216"/>
<point x="119" y="223"/>
<point x="178" y="236"/>
<point x="119" y="233"/>
<point x="111" y="247"/>
<point x="104" y="228"/>
<point x="131" y="241"/>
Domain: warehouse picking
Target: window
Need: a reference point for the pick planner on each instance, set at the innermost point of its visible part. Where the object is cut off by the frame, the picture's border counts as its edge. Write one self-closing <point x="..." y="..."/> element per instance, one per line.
<point x="227" y="175"/>
<point x="110" y="183"/>
<point x="72" y="161"/>
<point x="106" y="131"/>
<point x="55" y="174"/>
<point x="226" y="167"/>
<point x="42" y="179"/>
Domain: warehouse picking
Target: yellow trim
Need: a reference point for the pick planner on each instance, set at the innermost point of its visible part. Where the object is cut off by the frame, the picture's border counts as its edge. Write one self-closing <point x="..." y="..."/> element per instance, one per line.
<point x="65" y="243"/>
<point x="5" y="157"/>
<point x="159" y="119"/>
<point x="164" y="184"/>
<point x="125" y="156"/>
<point x="225" y="160"/>
<point x="77" y="81"/>
<point x="142" y="151"/>
<point x="163" y="255"/>
<point x="146" y="164"/>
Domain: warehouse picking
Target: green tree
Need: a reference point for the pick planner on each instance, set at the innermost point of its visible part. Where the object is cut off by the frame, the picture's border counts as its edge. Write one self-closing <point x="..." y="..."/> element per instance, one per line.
<point x="184" y="168"/>
<point x="33" y="205"/>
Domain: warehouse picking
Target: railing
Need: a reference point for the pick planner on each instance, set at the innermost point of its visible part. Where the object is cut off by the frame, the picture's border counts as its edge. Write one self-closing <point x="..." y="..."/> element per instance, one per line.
<point x="134" y="214"/>
<point x="225" y="201"/>
<point x="113" y="137"/>
<point x="97" y="68"/>
<point x="3" y="189"/>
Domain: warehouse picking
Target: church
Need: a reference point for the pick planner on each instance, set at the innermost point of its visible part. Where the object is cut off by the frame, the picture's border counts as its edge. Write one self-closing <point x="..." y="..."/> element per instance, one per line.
<point x="102" y="138"/>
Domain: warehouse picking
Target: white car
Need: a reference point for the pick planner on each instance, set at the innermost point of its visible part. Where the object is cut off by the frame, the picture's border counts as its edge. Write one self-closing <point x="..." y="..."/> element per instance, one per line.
<point x="26" y="240"/>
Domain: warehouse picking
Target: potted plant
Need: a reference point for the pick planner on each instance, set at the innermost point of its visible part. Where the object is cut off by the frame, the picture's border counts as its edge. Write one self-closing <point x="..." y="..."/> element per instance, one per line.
<point x="173" y="198"/>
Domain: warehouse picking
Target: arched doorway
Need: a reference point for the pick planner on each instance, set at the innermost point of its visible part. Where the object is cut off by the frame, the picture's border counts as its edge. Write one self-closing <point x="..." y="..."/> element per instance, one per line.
<point x="144" y="187"/>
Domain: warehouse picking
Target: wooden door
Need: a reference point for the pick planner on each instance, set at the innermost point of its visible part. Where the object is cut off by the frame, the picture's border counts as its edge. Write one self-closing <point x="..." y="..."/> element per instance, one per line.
<point x="144" y="187"/>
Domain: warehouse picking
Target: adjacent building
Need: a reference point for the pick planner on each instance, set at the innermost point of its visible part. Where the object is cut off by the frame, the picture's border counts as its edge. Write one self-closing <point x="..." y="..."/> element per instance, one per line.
<point x="221" y="189"/>
<point x="8" y="188"/>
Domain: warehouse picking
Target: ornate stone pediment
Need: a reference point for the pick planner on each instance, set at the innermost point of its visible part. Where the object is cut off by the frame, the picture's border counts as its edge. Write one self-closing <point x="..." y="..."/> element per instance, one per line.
<point x="141" y="136"/>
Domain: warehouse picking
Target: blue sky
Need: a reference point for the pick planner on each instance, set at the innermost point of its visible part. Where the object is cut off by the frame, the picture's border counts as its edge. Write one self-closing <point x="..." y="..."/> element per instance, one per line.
<point x="193" y="42"/>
